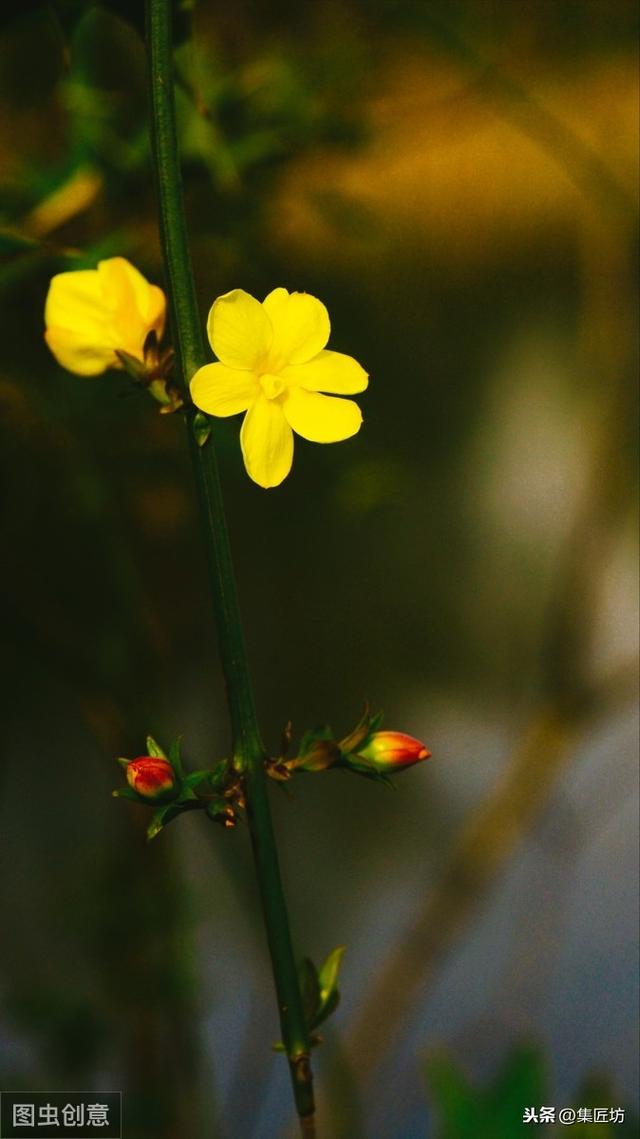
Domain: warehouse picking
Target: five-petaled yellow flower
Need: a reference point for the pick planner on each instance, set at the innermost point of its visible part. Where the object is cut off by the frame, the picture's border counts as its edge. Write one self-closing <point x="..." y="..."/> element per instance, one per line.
<point x="273" y="365"/>
<point x="90" y="314"/>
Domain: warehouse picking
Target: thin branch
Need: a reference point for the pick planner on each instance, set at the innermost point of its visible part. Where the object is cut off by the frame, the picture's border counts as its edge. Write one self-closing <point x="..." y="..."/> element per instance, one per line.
<point x="248" y="749"/>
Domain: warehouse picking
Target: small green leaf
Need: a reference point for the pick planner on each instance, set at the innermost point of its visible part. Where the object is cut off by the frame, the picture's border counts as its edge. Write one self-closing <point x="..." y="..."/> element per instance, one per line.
<point x="458" y="1104"/>
<point x="326" y="1009"/>
<point x="491" y="1113"/>
<point x="329" y="996"/>
<point x="154" y="749"/>
<point x="328" y="974"/>
<point x="201" y="428"/>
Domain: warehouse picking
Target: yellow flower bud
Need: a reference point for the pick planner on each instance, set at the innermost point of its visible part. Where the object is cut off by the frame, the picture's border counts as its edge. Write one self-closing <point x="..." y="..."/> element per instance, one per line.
<point x="91" y="314"/>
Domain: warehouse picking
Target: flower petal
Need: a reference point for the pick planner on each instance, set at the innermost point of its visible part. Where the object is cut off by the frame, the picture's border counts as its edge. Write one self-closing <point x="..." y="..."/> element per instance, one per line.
<point x="321" y="418"/>
<point x="72" y="352"/>
<point x="89" y="313"/>
<point x="131" y="295"/>
<point x="267" y="443"/>
<point x="219" y="390"/>
<point x="300" y="327"/>
<point x="75" y="301"/>
<point x="328" y="372"/>
<point x="239" y="330"/>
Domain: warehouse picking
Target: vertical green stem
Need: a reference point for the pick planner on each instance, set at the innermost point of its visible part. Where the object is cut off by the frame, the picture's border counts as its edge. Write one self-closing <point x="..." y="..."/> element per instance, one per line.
<point x="248" y="749"/>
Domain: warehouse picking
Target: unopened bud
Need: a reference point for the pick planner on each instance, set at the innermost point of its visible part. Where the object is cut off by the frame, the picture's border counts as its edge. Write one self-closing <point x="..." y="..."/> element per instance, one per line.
<point x="152" y="777"/>
<point x="392" y="751"/>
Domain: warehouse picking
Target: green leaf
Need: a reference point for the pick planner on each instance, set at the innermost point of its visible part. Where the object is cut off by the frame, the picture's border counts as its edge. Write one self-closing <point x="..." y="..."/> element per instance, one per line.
<point x="325" y="1009"/>
<point x="495" y="1112"/>
<point x="328" y="974"/>
<point x="154" y="749"/>
<point x="457" y="1104"/>
<point x="521" y="1083"/>
<point x="309" y="989"/>
<point x="201" y="428"/>
<point x="594" y="1091"/>
<point x="328" y="983"/>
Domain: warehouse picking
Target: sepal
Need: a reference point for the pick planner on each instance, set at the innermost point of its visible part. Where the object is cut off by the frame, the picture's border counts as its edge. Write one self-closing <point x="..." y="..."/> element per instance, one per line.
<point x="132" y="366"/>
<point x="153" y="748"/>
<point x="175" y="758"/>
<point x="128" y="793"/>
<point x="318" y="751"/>
<point x="362" y="732"/>
<point x="361" y="766"/>
<point x="163" y="816"/>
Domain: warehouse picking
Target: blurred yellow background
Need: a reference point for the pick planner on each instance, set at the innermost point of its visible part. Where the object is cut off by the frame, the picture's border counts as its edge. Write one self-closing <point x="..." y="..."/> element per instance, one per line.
<point x="457" y="181"/>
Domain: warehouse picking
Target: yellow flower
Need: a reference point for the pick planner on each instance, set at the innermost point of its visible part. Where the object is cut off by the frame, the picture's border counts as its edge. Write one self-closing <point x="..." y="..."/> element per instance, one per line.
<point x="274" y="365"/>
<point x="90" y="314"/>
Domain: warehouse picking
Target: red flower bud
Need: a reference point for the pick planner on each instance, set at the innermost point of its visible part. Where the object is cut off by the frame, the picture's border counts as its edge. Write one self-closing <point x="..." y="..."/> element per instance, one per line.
<point x="391" y="751"/>
<point x="152" y="777"/>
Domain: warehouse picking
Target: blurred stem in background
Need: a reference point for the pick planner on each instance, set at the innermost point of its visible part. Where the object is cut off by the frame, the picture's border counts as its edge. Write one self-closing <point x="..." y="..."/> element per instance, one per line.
<point x="248" y="749"/>
<point x="580" y="161"/>
<point x="570" y="697"/>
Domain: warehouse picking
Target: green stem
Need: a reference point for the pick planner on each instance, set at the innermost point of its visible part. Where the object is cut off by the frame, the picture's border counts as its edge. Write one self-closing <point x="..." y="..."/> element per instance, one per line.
<point x="248" y="749"/>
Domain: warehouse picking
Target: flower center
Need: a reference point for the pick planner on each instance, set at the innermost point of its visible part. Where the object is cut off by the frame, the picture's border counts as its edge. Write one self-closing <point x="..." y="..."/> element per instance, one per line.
<point x="272" y="386"/>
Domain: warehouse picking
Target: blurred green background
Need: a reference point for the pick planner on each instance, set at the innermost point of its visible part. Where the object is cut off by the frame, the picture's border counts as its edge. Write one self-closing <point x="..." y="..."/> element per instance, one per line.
<point x="456" y="180"/>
